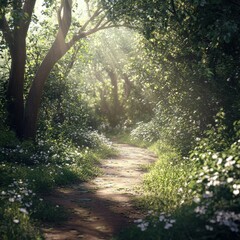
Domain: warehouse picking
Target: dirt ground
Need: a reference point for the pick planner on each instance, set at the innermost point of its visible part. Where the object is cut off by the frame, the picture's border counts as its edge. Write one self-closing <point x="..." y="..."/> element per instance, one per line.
<point x="102" y="207"/>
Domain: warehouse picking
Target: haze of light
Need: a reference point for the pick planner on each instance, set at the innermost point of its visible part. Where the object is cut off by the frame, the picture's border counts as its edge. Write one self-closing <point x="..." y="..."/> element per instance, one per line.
<point x="82" y="9"/>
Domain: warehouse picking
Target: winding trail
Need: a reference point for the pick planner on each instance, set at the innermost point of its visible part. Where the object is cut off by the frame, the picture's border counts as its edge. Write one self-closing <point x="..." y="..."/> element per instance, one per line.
<point x="102" y="207"/>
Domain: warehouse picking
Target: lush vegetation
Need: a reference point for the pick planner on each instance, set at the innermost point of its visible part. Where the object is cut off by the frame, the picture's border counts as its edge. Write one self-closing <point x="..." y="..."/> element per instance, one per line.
<point x="193" y="197"/>
<point x="164" y="72"/>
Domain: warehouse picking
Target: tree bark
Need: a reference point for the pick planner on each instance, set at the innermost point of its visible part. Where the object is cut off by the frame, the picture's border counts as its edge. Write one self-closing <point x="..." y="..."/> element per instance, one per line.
<point x="24" y="121"/>
<point x="116" y="108"/>
<point x="15" y="102"/>
<point x="16" y="41"/>
<point x="35" y="94"/>
<point x="56" y="52"/>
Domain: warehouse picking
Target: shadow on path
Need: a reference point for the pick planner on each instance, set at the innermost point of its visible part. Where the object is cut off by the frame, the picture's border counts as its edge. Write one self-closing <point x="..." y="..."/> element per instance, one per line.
<point x="103" y="206"/>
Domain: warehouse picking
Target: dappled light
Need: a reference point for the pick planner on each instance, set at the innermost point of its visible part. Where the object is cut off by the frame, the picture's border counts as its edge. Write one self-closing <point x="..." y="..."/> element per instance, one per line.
<point x="104" y="205"/>
<point x="119" y="120"/>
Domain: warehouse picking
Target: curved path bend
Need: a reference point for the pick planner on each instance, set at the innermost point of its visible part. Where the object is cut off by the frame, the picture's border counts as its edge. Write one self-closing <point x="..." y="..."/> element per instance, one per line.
<point x="103" y="206"/>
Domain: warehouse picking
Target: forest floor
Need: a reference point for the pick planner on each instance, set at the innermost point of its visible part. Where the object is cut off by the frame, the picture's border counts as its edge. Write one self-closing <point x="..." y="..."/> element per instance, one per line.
<point x="103" y="206"/>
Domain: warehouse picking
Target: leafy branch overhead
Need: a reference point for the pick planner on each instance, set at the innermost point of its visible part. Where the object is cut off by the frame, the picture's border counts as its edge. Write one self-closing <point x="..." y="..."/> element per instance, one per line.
<point x="15" y="18"/>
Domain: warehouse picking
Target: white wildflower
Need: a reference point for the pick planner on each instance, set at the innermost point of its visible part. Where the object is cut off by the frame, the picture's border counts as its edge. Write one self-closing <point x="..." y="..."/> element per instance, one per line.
<point x="209" y="228"/>
<point x="214" y="156"/>
<point x="207" y="194"/>
<point x="16" y="221"/>
<point x="180" y="190"/>
<point x="143" y="226"/>
<point x="200" y="209"/>
<point x="196" y="199"/>
<point x="219" y="161"/>
<point x="138" y="221"/>
<point x="236" y="186"/>
<point x="168" y="225"/>
<point x="236" y="192"/>
<point x="229" y="180"/>
<point x="161" y="218"/>
<point x="23" y="210"/>
<point x="229" y="158"/>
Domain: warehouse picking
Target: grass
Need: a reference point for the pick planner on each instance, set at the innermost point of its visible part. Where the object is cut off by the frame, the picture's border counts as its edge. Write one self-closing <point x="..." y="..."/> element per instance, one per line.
<point x="125" y="138"/>
<point x="169" y="197"/>
<point x="22" y="187"/>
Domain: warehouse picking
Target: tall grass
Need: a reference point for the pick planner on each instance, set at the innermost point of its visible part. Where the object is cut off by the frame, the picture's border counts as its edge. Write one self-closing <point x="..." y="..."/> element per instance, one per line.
<point x="195" y="197"/>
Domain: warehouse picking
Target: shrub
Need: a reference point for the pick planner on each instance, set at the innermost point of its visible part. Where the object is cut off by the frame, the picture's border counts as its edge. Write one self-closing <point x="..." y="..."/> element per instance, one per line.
<point x="194" y="197"/>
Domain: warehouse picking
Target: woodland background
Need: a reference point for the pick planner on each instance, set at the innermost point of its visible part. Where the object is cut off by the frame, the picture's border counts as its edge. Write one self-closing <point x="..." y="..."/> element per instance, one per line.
<point x="156" y="73"/>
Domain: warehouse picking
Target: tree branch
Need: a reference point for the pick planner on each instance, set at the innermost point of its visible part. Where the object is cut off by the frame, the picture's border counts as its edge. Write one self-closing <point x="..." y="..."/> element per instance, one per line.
<point x="100" y="21"/>
<point x="66" y="19"/>
<point x="80" y="35"/>
<point x="96" y="13"/>
<point x="88" y="8"/>
<point x="27" y="15"/>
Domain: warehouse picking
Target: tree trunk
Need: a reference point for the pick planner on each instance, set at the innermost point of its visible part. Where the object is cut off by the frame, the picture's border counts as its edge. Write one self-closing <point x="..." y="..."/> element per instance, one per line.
<point x="35" y="94"/>
<point x="57" y="50"/>
<point x="15" y="102"/>
<point x="127" y="86"/>
<point x="15" y="37"/>
<point x="116" y="108"/>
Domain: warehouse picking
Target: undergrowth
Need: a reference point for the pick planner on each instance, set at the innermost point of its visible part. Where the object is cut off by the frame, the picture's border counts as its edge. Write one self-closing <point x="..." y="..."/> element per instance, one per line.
<point x="28" y="172"/>
<point x="194" y="197"/>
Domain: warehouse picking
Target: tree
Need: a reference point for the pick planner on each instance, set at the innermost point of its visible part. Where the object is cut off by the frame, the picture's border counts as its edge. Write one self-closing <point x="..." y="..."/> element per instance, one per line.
<point x="107" y="74"/>
<point x="193" y="55"/>
<point x="15" y="18"/>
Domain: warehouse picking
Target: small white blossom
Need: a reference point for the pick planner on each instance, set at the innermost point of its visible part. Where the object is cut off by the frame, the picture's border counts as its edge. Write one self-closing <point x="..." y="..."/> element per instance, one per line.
<point x="143" y="226"/>
<point x="229" y="158"/>
<point x="209" y="228"/>
<point x="161" y="218"/>
<point x="214" y="156"/>
<point x="197" y="200"/>
<point x="219" y="161"/>
<point x="236" y="186"/>
<point x="200" y="209"/>
<point x="207" y="194"/>
<point x="168" y="225"/>
<point x="16" y="221"/>
<point x="23" y="210"/>
<point x="180" y="190"/>
<point x="138" y="221"/>
<point x="229" y="180"/>
<point x="236" y="192"/>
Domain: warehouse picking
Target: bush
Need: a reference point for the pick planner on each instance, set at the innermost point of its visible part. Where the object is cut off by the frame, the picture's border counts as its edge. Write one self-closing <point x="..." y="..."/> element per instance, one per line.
<point x="215" y="180"/>
<point x="194" y="197"/>
<point x="28" y="170"/>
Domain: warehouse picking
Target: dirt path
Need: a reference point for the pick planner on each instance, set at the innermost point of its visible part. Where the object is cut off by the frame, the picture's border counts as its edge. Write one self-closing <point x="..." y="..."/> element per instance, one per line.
<point x="103" y="206"/>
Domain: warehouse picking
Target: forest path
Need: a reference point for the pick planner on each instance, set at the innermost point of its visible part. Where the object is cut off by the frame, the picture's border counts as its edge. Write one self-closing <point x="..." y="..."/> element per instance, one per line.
<point x="103" y="206"/>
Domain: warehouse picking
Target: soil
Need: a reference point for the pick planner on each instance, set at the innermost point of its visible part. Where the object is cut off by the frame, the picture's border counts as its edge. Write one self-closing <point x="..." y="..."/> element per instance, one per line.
<point x="103" y="206"/>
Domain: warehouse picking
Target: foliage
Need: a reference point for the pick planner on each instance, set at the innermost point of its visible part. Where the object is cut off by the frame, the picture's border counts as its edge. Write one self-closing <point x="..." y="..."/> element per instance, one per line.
<point x="106" y="75"/>
<point x="165" y="184"/>
<point x="189" y="69"/>
<point x="216" y="177"/>
<point x="195" y="196"/>
<point x="15" y="19"/>
<point x="165" y="85"/>
<point x="28" y="171"/>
